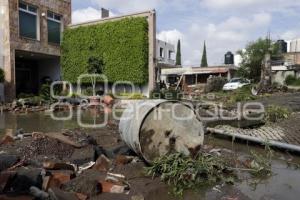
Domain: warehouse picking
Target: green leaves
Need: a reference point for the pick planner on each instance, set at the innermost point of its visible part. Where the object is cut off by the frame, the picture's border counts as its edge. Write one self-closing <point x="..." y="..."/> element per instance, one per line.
<point x="183" y="172"/>
<point x="121" y="46"/>
<point x="253" y="56"/>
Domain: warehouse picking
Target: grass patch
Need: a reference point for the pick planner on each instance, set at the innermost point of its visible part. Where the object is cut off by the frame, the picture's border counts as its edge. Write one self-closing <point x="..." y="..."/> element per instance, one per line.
<point x="292" y="80"/>
<point x="276" y="114"/>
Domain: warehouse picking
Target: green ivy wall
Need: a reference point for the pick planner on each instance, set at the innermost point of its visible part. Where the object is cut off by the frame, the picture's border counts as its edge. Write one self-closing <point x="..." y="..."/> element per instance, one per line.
<point x="122" y="45"/>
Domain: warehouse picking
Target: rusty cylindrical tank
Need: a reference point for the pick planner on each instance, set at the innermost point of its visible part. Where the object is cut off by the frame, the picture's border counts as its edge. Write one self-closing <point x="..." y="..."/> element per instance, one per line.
<point x="154" y="128"/>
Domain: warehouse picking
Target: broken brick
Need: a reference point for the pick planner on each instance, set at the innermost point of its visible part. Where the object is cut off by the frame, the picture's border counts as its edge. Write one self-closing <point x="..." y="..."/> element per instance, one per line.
<point x="108" y="187"/>
<point x="57" y="179"/>
<point x="108" y="100"/>
<point x="7" y="139"/>
<point x="102" y="164"/>
<point x="123" y="160"/>
<point x="57" y="166"/>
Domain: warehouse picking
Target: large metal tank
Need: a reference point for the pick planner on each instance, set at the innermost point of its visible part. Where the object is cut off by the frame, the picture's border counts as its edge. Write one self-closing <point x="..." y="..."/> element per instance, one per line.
<point x="229" y="58"/>
<point x="157" y="127"/>
<point x="282" y="46"/>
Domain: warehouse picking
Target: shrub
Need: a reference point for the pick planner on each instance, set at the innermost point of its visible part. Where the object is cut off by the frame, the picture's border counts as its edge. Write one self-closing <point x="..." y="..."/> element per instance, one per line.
<point x="45" y="92"/>
<point x="241" y="94"/>
<point x="121" y="46"/>
<point x="276" y="113"/>
<point x="290" y="79"/>
<point x="215" y="84"/>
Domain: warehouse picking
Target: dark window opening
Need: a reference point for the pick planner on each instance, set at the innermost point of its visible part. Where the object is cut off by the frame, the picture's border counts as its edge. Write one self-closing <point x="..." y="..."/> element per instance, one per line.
<point x="54" y="28"/>
<point x="28" y="21"/>
<point x="161" y="52"/>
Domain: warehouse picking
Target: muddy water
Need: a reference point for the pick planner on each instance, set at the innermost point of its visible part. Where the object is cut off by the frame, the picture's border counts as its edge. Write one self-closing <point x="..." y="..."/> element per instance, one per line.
<point x="42" y="122"/>
<point x="284" y="184"/>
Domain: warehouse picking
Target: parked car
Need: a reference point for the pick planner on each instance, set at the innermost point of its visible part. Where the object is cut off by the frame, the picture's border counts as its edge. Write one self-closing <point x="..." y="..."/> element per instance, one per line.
<point x="236" y="83"/>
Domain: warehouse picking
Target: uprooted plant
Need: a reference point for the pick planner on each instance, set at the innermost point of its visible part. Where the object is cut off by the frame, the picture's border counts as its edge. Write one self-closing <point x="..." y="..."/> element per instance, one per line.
<point x="183" y="172"/>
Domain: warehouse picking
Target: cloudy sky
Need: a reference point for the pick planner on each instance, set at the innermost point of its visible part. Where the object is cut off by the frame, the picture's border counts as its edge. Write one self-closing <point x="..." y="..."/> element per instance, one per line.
<point x="225" y="25"/>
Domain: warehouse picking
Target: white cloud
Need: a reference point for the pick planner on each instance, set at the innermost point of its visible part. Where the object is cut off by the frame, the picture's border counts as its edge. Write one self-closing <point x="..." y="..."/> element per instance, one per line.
<point x="128" y="5"/>
<point x="258" y="5"/>
<point x="87" y="14"/>
<point x="229" y="35"/>
<point x="291" y="34"/>
<point x="170" y="36"/>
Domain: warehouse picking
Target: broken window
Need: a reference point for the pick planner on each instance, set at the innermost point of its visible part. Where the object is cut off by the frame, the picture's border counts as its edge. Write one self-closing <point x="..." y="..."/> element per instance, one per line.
<point x="28" y="21"/>
<point x="54" y="27"/>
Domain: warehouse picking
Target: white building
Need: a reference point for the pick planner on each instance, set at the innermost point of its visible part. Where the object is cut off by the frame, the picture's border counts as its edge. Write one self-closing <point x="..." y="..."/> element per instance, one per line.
<point x="293" y="46"/>
<point x="165" y="52"/>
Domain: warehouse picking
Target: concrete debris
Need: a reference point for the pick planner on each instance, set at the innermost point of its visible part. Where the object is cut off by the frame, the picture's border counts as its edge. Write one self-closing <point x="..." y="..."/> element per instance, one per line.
<point x="7" y="161"/>
<point x="37" y="193"/>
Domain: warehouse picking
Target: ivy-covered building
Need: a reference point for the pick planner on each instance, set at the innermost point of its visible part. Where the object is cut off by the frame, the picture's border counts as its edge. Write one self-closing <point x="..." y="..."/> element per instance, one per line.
<point x="125" y="45"/>
<point x="30" y="37"/>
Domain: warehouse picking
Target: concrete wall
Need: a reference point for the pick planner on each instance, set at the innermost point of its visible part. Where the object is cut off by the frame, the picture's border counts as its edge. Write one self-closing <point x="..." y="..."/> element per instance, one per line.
<point x="280" y="76"/>
<point x="166" y="48"/>
<point x="292" y="58"/>
<point x="15" y="42"/>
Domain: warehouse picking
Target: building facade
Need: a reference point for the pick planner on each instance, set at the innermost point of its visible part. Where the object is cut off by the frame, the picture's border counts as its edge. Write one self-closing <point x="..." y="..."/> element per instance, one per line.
<point x="30" y="36"/>
<point x="165" y="53"/>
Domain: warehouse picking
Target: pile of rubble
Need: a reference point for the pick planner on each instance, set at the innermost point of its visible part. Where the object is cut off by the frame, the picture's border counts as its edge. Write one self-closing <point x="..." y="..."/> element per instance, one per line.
<point x="58" y="166"/>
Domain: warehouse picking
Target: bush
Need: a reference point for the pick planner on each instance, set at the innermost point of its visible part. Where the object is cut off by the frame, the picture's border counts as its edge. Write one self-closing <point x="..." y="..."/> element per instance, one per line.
<point x="290" y="79"/>
<point x="121" y="46"/>
<point x="45" y="92"/>
<point x="242" y="94"/>
<point x="276" y="113"/>
<point x="215" y="84"/>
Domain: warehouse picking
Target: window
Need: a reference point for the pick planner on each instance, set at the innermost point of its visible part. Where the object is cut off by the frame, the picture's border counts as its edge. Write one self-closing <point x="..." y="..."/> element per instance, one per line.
<point x="28" y="21"/>
<point x="54" y="27"/>
<point x="161" y="52"/>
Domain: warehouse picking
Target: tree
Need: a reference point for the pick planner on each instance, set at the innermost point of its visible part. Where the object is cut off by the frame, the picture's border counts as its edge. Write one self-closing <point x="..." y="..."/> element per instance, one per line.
<point x="204" y="57"/>
<point x="178" y="54"/>
<point x="253" y="56"/>
<point x="95" y="67"/>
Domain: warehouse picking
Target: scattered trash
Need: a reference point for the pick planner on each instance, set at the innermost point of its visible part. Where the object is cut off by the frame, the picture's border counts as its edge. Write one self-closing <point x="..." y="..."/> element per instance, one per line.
<point x="85" y="167"/>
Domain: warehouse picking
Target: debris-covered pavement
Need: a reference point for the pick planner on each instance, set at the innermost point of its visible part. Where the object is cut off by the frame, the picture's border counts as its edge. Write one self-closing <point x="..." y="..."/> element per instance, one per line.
<point x="76" y="164"/>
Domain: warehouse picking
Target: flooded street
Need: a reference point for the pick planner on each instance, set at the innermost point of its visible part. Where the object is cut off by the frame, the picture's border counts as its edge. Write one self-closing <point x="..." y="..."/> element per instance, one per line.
<point x="283" y="184"/>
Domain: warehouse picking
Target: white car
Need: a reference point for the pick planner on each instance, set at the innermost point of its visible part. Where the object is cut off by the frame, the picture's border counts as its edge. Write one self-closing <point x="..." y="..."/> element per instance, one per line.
<point x="236" y="83"/>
